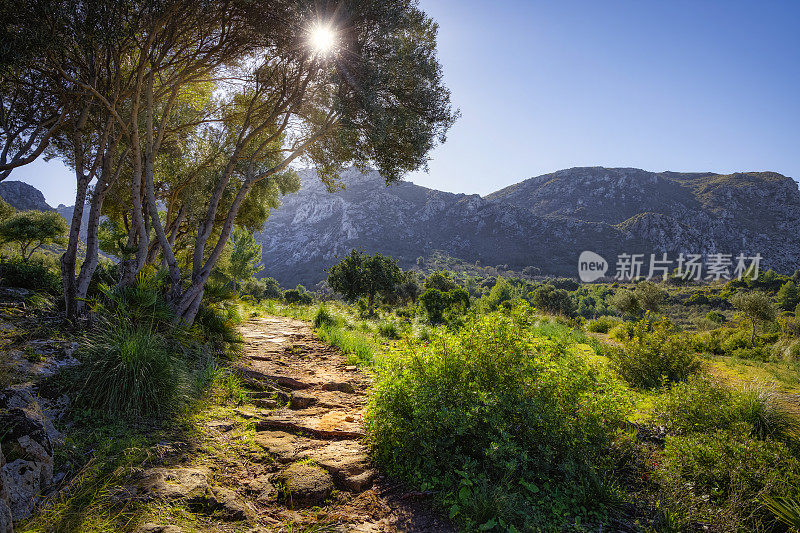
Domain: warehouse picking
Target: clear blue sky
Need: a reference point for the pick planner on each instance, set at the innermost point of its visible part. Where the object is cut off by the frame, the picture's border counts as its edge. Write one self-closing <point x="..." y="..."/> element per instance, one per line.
<point x="678" y="85"/>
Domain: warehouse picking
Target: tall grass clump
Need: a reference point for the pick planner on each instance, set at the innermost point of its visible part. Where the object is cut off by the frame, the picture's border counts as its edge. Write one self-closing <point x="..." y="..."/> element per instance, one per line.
<point x="510" y="428"/>
<point x="652" y="355"/>
<point x="127" y="370"/>
<point x="359" y="347"/>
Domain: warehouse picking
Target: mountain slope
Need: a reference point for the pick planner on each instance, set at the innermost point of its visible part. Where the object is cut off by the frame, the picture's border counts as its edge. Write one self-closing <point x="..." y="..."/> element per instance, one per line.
<point x="545" y="221"/>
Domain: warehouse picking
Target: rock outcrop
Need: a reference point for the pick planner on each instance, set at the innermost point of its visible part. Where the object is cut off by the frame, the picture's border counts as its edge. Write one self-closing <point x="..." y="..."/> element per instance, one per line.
<point x="27" y="442"/>
<point x="22" y="196"/>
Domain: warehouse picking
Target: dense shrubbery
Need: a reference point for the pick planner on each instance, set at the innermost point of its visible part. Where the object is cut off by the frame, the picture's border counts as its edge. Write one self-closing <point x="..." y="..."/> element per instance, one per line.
<point x="464" y="415"/>
<point x="438" y="304"/>
<point x="603" y="324"/>
<point x="39" y="274"/>
<point x="701" y="404"/>
<point x="723" y="477"/>
<point x="652" y="354"/>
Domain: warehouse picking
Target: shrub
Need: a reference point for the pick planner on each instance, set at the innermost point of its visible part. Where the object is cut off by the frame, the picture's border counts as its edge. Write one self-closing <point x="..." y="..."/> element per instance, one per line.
<point x="506" y="426"/>
<point x="602" y="324"/>
<point x="217" y="327"/>
<point x="436" y="303"/>
<point x="735" y="339"/>
<point x="702" y="404"/>
<point x="38" y="274"/>
<point x="272" y="289"/>
<point x="298" y="295"/>
<point x="716" y="317"/>
<point x="623" y="331"/>
<point x="501" y="293"/>
<point x="127" y="370"/>
<point x="649" y="295"/>
<point x="653" y="355"/>
<point x="625" y="302"/>
<point x="723" y="476"/>
<point x="389" y="329"/>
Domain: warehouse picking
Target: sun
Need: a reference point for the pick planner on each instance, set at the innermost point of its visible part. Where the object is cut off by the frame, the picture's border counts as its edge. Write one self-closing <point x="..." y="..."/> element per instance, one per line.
<point x="322" y="39"/>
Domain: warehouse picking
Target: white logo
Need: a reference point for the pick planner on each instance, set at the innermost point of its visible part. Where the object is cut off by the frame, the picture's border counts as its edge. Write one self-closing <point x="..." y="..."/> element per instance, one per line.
<point x="591" y="266"/>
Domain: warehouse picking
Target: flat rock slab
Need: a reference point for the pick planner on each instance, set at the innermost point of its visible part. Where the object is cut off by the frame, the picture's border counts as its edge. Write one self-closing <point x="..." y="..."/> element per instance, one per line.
<point x="305" y="484"/>
<point x="347" y="461"/>
<point x="320" y="423"/>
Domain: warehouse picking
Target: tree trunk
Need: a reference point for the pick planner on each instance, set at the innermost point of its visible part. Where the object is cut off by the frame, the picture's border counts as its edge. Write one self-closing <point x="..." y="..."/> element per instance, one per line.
<point x="69" y="257"/>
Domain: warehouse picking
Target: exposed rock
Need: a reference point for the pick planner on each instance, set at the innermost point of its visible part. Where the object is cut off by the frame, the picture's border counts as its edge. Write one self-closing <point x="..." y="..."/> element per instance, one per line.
<point x="155" y="528"/>
<point x="321" y="424"/>
<point x="6" y="525"/>
<point x="302" y="401"/>
<point x="27" y="444"/>
<point x="341" y="387"/>
<point x="22" y="196"/>
<point x="305" y="484"/>
<point x="191" y="485"/>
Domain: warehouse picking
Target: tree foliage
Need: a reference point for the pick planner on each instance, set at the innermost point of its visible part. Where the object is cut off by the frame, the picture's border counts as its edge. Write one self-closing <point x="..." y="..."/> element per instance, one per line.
<point x="245" y="260"/>
<point x="757" y="307"/>
<point x="359" y="275"/>
<point x="186" y="115"/>
<point x="30" y="230"/>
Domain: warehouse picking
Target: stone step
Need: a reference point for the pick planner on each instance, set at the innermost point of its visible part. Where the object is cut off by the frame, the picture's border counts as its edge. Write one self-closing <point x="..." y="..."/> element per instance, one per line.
<point x="317" y="422"/>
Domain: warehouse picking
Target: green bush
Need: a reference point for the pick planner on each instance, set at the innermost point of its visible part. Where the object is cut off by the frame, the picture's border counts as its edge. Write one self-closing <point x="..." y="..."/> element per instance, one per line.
<point x="602" y="324"/>
<point x="38" y="274"/>
<point x="127" y="370"/>
<point x="436" y="303"/>
<point x="509" y="427"/>
<point x="716" y="317"/>
<point x="216" y="325"/>
<point x="735" y="339"/>
<point x="298" y="296"/>
<point x="723" y="476"/>
<point x="552" y="300"/>
<point x="654" y="355"/>
<point x="702" y="404"/>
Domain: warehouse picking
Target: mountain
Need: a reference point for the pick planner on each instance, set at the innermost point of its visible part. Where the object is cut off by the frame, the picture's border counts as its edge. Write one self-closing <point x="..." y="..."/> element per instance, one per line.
<point x="22" y="196"/>
<point x="544" y="221"/>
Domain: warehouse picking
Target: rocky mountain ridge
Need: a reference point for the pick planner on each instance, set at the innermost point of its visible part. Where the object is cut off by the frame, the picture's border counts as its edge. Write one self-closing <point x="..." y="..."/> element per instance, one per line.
<point x="545" y="221"/>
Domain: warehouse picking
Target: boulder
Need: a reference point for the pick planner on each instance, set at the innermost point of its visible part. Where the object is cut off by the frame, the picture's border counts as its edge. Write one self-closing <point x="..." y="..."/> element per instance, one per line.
<point x="27" y="445"/>
<point x="305" y="485"/>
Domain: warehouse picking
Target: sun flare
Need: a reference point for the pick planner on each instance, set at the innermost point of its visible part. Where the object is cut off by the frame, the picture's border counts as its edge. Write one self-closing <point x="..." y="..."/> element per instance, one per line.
<point x="322" y="39"/>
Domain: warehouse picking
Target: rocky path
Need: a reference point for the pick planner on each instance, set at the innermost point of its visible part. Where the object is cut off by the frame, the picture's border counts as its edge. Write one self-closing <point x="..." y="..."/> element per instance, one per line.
<point x="309" y="420"/>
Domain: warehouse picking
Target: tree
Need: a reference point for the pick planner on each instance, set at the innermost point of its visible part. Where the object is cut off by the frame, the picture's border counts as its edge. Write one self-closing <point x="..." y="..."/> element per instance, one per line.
<point x="788" y="296"/>
<point x="5" y="210"/>
<point x="31" y="230"/>
<point x="436" y="303"/>
<point x="187" y="115"/>
<point x="501" y="292"/>
<point x="360" y="275"/>
<point x="649" y="295"/>
<point x="625" y="302"/>
<point x="245" y="260"/>
<point x="552" y="300"/>
<point x="441" y="280"/>
<point x="757" y="307"/>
